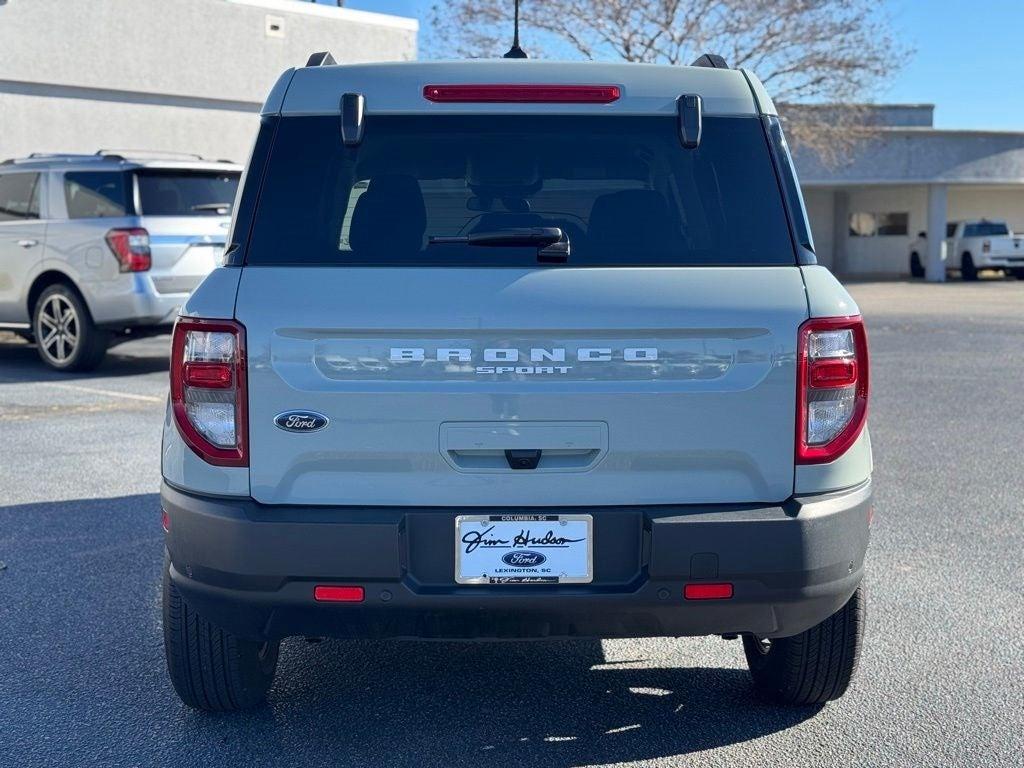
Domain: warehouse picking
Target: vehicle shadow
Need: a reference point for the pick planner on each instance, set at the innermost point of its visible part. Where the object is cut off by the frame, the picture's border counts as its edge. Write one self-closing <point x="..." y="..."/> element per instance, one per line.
<point x="96" y="659"/>
<point x="20" y="362"/>
<point x="534" y="703"/>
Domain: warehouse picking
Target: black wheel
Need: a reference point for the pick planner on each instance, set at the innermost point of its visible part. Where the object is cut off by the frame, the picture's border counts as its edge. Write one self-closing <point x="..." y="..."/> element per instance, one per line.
<point x="210" y="668"/>
<point x="916" y="268"/>
<point x="66" y="337"/>
<point x="967" y="269"/>
<point x="813" y="667"/>
<point x="1018" y="273"/>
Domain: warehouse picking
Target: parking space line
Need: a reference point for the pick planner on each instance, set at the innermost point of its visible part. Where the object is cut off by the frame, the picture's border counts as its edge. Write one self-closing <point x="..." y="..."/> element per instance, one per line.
<point x="106" y="392"/>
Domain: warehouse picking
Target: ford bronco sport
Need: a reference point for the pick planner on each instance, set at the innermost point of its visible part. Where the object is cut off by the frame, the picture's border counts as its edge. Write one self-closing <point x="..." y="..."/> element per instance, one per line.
<point x="517" y="349"/>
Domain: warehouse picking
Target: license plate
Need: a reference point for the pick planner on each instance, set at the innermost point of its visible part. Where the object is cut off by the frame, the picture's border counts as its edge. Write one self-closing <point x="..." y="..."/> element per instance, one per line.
<point x="524" y="549"/>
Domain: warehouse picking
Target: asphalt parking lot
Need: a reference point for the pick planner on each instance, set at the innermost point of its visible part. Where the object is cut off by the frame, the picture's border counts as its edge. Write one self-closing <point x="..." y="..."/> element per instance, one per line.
<point x="82" y="678"/>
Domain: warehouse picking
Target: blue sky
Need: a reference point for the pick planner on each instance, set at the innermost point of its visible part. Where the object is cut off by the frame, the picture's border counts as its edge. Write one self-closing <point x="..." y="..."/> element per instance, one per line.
<point x="968" y="60"/>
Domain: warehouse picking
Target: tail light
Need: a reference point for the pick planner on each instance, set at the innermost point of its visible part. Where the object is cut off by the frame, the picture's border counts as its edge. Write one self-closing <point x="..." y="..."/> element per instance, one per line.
<point x="208" y="389"/>
<point x="832" y="387"/>
<point x="131" y="247"/>
<point x="528" y="93"/>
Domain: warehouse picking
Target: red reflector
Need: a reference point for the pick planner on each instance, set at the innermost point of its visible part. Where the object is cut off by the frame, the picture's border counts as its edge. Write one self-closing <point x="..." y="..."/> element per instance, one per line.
<point x="707" y="591"/>
<point x="836" y="372"/>
<point x="208" y="375"/>
<point x="531" y="93"/>
<point x="165" y="521"/>
<point x="328" y="594"/>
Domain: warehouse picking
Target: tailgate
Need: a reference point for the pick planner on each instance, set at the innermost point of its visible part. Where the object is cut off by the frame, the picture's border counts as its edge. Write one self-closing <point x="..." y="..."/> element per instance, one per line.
<point x="185" y="249"/>
<point x="638" y="385"/>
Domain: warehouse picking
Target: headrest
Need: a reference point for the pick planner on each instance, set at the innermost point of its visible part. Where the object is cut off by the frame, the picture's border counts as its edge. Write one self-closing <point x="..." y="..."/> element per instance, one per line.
<point x="389" y="218"/>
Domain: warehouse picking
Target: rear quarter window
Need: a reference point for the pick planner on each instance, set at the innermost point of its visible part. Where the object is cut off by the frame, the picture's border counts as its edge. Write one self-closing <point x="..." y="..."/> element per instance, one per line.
<point x="19" y="196"/>
<point x="623" y="189"/>
<point x="95" y="194"/>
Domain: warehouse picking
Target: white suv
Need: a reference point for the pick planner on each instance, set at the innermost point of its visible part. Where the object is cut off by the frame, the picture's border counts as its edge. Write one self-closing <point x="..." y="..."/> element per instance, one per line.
<point x="97" y="249"/>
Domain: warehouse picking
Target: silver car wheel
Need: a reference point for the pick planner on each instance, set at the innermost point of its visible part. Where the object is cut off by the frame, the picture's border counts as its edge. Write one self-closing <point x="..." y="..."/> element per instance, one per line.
<point x="58" y="329"/>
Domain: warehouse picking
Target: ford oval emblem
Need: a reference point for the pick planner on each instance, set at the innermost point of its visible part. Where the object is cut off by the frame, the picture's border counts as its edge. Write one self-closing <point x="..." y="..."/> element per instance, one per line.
<point x="301" y="421"/>
<point x="523" y="558"/>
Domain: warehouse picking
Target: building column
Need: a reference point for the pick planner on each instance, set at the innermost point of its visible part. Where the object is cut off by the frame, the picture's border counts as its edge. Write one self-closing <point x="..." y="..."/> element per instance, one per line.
<point x="840" y="230"/>
<point x="935" y="267"/>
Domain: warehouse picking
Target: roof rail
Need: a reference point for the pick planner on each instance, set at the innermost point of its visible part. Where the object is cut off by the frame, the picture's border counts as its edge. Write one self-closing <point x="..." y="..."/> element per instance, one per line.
<point x="124" y="153"/>
<point x="111" y="155"/>
<point x="321" y="59"/>
<point x="51" y="155"/>
<point x="712" y="60"/>
<point x="69" y="157"/>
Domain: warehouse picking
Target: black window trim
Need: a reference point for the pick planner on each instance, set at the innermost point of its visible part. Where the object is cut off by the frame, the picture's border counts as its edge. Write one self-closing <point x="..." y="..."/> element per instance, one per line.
<point x="785" y="174"/>
<point x="250" y="188"/>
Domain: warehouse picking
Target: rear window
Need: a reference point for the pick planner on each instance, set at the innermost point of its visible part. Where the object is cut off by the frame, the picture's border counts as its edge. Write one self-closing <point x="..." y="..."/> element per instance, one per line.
<point x="190" y="193"/>
<point x="95" y="194"/>
<point x="622" y="189"/>
<point x="986" y="229"/>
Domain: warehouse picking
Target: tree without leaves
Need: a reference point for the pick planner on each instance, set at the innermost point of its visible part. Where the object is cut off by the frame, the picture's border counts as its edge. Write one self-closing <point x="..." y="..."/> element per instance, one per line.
<point x="803" y="50"/>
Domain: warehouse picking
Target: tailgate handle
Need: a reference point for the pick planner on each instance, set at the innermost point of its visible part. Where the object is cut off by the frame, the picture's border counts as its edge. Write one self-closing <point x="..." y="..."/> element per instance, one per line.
<point x="517" y="446"/>
<point x="523" y="459"/>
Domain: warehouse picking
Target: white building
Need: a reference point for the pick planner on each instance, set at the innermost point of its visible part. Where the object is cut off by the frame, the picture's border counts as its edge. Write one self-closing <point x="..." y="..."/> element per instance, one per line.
<point x="190" y="76"/>
<point x="173" y="75"/>
<point x="865" y="211"/>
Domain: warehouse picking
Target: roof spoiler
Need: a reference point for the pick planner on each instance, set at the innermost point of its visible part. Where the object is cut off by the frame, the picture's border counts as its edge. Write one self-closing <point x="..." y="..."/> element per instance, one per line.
<point x="712" y="60"/>
<point x="321" y="59"/>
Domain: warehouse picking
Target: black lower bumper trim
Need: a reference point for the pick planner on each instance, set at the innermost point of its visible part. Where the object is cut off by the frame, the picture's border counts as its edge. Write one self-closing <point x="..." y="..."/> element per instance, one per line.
<point x="251" y="568"/>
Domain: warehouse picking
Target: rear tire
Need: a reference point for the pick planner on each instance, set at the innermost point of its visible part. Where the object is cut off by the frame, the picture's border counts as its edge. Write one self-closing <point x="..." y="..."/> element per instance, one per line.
<point x="967" y="269"/>
<point x="210" y="668"/>
<point x="1018" y="273"/>
<point x="916" y="268"/>
<point x="813" y="667"/>
<point x="65" y="335"/>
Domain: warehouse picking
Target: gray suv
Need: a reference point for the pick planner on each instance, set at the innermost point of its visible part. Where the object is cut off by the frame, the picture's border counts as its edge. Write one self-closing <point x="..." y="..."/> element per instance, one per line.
<point x="517" y="349"/>
<point x="97" y="249"/>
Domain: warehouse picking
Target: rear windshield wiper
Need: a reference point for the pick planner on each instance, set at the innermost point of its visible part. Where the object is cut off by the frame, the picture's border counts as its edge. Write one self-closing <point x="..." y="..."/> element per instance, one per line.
<point x="551" y="242"/>
<point x="218" y="207"/>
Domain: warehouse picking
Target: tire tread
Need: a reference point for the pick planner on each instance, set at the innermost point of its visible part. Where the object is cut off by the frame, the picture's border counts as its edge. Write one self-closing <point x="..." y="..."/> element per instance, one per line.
<point x="210" y="668"/>
<point x="815" y="666"/>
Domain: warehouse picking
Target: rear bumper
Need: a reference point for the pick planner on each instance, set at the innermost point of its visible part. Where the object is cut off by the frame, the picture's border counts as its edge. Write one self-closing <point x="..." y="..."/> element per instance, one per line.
<point x="1000" y="262"/>
<point x="251" y="568"/>
<point x="132" y="300"/>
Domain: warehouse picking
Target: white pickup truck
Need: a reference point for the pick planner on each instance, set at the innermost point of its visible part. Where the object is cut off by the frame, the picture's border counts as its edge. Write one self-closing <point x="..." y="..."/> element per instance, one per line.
<point x="972" y="246"/>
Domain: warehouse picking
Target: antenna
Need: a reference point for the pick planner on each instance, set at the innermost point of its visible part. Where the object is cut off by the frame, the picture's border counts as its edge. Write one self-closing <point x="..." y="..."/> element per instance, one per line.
<point x="515" y="52"/>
